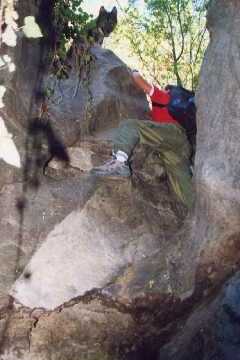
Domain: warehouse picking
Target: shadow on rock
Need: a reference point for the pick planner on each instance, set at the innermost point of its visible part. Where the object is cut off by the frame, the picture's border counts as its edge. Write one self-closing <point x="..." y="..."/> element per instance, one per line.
<point x="42" y="144"/>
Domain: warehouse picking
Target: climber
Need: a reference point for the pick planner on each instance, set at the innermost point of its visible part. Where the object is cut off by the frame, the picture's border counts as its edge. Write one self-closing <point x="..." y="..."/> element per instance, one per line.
<point x="163" y="133"/>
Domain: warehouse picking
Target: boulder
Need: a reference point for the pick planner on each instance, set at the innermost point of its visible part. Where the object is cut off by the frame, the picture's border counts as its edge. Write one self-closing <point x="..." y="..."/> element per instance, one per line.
<point x="99" y="99"/>
<point x="209" y="249"/>
<point x="118" y="228"/>
<point x="213" y="232"/>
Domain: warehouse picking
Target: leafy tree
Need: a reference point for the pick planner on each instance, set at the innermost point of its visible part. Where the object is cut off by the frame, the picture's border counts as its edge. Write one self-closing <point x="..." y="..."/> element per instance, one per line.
<point x="169" y="39"/>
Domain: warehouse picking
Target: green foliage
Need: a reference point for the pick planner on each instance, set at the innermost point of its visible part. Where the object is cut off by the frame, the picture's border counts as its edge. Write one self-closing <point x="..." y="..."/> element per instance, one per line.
<point x="70" y="17"/>
<point x="169" y="39"/>
<point x="70" y="48"/>
<point x="70" y="22"/>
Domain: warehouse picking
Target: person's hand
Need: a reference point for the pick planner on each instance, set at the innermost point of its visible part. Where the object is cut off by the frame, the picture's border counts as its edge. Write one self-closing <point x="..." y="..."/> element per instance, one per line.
<point x="135" y="75"/>
<point x="132" y="71"/>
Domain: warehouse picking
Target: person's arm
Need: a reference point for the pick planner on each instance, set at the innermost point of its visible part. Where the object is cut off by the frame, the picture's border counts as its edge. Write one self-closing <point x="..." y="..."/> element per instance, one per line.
<point x="142" y="83"/>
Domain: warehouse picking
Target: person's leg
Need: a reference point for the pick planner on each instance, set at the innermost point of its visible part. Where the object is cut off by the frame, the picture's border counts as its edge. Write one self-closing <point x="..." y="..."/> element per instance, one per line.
<point x="133" y="131"/>
<point x="174" y="150"/>
<point x="124" y="142"/>
<point x="179" y="174"/>
<point x="171" y="142"/>
<point x="127" y="136"/>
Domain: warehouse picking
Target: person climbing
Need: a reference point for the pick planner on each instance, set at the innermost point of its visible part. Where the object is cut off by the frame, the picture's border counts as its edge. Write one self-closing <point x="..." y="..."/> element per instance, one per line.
<point x="162" y="133"/>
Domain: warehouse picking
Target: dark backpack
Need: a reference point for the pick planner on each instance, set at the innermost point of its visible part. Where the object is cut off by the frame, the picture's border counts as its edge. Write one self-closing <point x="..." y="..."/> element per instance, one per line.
<point x="183" y="109"/>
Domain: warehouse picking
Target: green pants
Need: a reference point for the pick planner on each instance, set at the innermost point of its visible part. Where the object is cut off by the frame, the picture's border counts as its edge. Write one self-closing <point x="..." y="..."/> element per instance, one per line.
<point x="172" y="145"/>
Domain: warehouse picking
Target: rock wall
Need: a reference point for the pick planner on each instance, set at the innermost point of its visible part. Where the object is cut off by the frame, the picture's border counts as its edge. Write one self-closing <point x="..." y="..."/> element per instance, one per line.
<point x="211" y="244"/>
<point x="210" y="332"/>
<point x="29" y="58"/>
<point x="217" y="165"/>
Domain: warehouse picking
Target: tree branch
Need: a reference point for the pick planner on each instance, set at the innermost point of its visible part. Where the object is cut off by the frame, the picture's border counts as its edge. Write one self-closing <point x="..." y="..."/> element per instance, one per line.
<point x="175" y="60"/>
<point x="181" y="30"/>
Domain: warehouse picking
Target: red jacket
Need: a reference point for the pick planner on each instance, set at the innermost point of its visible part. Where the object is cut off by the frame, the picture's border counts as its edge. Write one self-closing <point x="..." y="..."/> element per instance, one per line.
<point x="159" y="114"/>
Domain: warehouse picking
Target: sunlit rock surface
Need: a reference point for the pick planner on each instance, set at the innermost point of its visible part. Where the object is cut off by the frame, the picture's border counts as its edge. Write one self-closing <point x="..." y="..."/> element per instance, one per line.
<point x="118" y="230"/>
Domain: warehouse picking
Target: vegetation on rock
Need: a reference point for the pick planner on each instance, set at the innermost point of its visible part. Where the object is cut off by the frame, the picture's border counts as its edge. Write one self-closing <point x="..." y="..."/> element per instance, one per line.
<point x="70" y="23"/>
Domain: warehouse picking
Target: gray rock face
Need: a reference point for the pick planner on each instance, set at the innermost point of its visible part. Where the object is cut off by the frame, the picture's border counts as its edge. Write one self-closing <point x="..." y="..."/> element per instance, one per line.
<point x="23" y="84"/>
<point x="218" y="168"/>
<point x="77" y="332"/>
<point x="214" y="230"/>
<point x="23" y="230"/>
<point x="212" y="331"/>
<point x="96" y="100"/>
<point x="99" y="243"/>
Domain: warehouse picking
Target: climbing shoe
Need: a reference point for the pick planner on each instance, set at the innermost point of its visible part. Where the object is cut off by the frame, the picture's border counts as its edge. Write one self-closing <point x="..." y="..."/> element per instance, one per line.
<point x="112" y="168"/>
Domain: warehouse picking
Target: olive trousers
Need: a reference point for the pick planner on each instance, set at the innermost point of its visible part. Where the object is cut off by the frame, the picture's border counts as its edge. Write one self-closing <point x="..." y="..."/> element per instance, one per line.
<point x="170" y="142"/>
